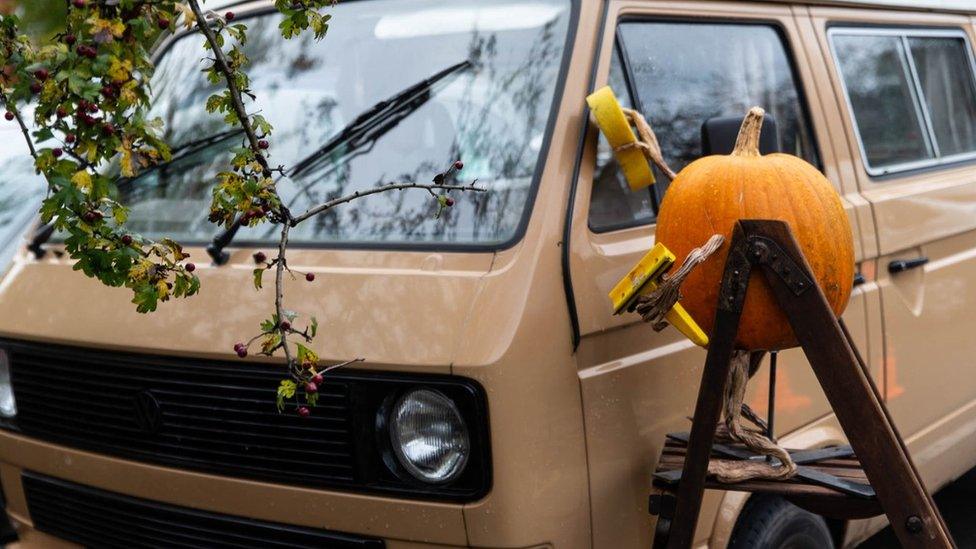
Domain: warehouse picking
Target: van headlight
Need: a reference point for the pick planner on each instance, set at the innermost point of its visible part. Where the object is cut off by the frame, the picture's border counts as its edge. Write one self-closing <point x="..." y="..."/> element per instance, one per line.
<point x="428" y="435"/>
<point x="8" y="406"/>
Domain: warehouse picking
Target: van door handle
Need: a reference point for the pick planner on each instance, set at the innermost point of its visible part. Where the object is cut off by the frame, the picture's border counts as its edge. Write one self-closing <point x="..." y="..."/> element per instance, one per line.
<point x="900" y="265"/>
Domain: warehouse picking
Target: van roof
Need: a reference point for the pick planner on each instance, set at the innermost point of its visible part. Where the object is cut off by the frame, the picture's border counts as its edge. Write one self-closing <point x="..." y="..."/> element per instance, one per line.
<point x="967" y="6"/>
<point x="964" y="6"/>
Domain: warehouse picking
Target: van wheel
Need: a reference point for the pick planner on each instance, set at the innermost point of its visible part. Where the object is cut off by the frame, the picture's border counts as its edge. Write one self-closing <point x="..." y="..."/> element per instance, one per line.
<point x="769" y="522"/>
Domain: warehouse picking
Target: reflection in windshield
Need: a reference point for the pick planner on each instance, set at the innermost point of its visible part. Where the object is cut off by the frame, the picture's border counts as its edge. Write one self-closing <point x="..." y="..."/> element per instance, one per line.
<point x="492" y="116"/>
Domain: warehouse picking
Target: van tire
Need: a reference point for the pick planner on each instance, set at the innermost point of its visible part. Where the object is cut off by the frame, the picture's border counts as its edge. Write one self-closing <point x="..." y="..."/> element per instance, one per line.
<point x="769" y="522"/>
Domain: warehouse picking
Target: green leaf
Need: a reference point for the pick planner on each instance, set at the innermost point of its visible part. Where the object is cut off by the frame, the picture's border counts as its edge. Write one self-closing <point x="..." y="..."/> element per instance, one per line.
<point x="258" y="275"/>
<point x="285" y="390"/>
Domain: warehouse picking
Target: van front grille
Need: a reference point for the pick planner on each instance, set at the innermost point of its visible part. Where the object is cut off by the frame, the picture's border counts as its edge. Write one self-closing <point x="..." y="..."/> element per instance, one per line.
<point x="209" y="416"/>
<point x="96" y="518"/>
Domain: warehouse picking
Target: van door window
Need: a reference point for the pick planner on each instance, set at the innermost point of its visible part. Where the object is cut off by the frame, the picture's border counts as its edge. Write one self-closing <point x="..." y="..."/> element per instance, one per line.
<point x="912" y="95"/>
<point x="684" y="73"/>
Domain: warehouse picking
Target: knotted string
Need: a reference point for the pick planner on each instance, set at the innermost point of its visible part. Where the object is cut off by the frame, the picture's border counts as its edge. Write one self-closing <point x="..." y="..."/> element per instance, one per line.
<point x="646" y="142"/>
<point x="731" y="471"/>
<point x="653" y="306"/>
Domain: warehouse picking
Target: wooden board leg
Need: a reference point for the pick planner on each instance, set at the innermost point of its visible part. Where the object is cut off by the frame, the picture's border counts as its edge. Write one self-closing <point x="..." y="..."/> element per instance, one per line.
<point x="708" y="409"/>
<point x="914" y="518"/>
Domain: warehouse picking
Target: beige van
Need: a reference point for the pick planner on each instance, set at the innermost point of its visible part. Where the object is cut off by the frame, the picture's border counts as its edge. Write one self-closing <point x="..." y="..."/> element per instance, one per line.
<point x="500" y="404"/>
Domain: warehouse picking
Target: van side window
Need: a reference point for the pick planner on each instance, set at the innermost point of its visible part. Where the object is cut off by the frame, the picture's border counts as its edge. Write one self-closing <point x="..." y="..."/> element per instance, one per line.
<point x="912" y="95"/>
<point x="612" y="204"/>
<point x="683" y="73"/>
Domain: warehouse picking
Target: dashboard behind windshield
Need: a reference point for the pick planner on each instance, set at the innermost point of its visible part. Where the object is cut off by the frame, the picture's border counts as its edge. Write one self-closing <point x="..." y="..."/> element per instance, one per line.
<point x="492" y="116"/>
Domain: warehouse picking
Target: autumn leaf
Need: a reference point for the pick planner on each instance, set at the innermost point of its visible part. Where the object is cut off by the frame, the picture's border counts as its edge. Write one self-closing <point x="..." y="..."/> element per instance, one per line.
<point x="82" y="179"/>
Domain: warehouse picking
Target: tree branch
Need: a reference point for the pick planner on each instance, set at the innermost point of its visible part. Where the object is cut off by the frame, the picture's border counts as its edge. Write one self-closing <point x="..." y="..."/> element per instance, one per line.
<point x="20" y="121"/>
<point x="221" y="61"/>
<point x="280" y="291"/>
<point x="311" y="212"/>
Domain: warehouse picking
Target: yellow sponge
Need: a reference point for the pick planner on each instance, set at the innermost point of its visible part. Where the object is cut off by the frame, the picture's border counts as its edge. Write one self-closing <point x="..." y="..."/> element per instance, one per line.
<point x="612" y="122"/>
<point x="642" y="280"/>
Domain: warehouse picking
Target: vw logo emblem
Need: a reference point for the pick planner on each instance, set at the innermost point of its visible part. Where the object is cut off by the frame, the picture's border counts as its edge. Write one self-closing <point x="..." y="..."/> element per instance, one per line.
<point x="149" y="414"/>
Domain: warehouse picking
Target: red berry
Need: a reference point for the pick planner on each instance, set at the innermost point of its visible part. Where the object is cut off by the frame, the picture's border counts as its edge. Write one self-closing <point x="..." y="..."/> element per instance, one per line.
<point x="163" y="23"/>
<point x="458" y="165"/>
<point x="285" y="325"/>
<point x="41" y="74"/>
<point x="241" y="351"/>
<point x="78" y="3"/>
<point x="259" y="257"/>
<point x="263" y="144"/>
<point x="311" y="387"/>
<point x="70" y="39"/>
<point x="36" y="87"/>
<point x="92" y="107"/>
<point x="127" y="240"/>
<point x="449" y="201"/>
<point x="229" y="16"/>
<point x="310" y="276"/>
<point x="57" y="153"/>
<point x="70" y="138"/>
<point x="317" y="379"/>
<point x="8" y="115"/>
<point x="61" y="113"/>
<point x="91" y="216"/>
<point x="108" y="129"/>
<point x="190" y="267"/>
<point x="303" y="411"/>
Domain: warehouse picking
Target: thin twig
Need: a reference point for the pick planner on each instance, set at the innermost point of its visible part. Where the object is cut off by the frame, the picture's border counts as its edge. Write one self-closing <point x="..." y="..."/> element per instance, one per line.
<point x="279" y="290"/>
<point x="20" y="121"/>
<point x="311" y="212"/>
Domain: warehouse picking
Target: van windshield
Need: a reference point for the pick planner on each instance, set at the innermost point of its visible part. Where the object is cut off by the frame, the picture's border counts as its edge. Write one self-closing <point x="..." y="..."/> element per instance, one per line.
<point x="492" y="114"/>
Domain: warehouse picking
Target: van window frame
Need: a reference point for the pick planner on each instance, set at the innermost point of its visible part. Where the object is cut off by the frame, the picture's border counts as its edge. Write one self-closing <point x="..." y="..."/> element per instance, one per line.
<point x="264" y="9"/>
<point x="791" y="58"/>
<point x="918" y="97"/>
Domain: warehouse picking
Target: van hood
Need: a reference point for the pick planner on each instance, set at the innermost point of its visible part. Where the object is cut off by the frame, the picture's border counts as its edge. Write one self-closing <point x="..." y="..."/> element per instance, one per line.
<point x="391" y="308"/>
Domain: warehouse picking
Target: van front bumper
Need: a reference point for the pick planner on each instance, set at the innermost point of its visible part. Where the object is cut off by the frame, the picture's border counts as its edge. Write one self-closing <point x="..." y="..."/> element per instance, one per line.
<point x="396" y="523"/>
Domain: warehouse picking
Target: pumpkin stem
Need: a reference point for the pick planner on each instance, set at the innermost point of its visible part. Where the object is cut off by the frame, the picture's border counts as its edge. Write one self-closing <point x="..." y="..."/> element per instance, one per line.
<point x="747" y="143"/>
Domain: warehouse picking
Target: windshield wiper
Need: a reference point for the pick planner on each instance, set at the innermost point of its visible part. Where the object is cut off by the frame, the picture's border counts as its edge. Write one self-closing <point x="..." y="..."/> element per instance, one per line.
<point x="379" y="119"/>
<point x="45" y="231"/>
<point x="41" y="235"/>
<point x="366" y="128"/>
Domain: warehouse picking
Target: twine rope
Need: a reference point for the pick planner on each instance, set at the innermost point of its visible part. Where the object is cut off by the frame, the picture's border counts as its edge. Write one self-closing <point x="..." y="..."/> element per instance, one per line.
<point x="655" y="305"/>
<point x="732" y="471"/>
<point x="646" y="142"/>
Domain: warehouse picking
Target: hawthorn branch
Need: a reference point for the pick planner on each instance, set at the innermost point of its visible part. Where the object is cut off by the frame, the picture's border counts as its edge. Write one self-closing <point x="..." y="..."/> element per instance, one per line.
<point x="325" y="206"/>
<point x="220" y="60"/>
<point x="280" y="290"/>
<point x="20" y="122"/>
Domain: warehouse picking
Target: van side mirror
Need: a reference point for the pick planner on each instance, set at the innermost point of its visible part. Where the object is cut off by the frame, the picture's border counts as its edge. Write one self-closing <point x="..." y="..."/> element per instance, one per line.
<point x="718" y="135"/>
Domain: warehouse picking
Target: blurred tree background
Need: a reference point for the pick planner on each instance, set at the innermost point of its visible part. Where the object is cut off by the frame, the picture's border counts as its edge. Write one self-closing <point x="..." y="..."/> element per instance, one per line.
<point x="40" y="18"/>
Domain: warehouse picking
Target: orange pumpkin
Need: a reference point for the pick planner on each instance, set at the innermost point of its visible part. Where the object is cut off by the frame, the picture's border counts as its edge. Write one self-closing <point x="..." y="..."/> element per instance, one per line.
<point x="713" y="192"/>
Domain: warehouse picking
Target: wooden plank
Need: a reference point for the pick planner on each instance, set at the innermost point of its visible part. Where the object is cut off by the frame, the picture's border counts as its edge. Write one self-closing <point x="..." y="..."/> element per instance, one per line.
<point x="708" y="410"/>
